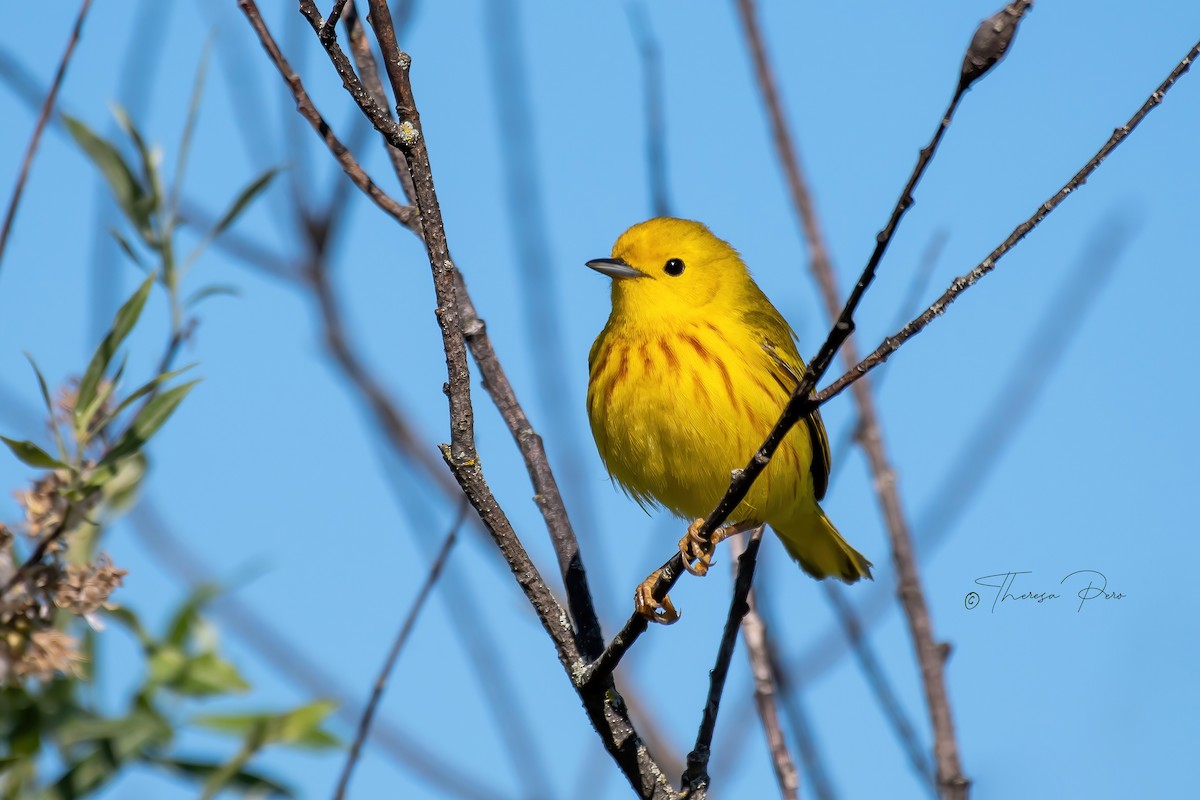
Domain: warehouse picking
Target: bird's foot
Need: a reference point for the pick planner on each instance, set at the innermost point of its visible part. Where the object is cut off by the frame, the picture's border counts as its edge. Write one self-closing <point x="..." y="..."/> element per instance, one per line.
<point x="662" y="612"/>
<point x="694" y="548"/>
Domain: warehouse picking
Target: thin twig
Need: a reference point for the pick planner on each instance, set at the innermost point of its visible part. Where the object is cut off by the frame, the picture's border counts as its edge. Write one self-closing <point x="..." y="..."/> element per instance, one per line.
<point x="904" y="311"/>
<point x="329" y="31"/>
<point x="885" y="696"/>
<point x="695" y="777"/>
<point x="389" y="663"/>
<point x="511" y="719"/>
<point x="929" y="654"/>
<point x="405" y="215"/>
<point x="798" y="407"/>
<point x="967" y="471"/>
<point x="542" y="310"/>
<point x="495" y="381"/>
<point x="39" y="551"/>
<point x="40" y="125"/>
<point x="964" y="282"/>
<point x="298" y="668"/>
<point x="364" y="59"/>
<point x="603" y="704"/>
<point x="652" y="93"/>
<point x="754" y="634"/>
<point x="815" y="768"/>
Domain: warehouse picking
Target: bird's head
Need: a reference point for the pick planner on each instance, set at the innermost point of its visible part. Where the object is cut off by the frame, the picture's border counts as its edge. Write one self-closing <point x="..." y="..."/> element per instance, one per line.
<point x="672" y="268"/>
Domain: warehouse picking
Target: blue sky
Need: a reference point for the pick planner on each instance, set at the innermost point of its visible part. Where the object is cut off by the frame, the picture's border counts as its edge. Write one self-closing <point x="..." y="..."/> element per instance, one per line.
<point x="1020" y="445"/>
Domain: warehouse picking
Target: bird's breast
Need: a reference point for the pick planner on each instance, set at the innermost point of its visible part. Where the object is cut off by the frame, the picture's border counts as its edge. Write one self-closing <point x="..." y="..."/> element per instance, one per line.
<point x="674" y="411"/>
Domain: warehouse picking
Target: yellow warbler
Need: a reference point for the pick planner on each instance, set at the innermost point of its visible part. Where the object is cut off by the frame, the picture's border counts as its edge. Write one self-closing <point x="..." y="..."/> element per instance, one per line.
<point x="687" y="378"/>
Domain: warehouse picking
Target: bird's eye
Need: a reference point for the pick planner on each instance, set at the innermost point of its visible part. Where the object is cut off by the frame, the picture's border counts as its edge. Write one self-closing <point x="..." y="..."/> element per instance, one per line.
<point x="674" y="267"/>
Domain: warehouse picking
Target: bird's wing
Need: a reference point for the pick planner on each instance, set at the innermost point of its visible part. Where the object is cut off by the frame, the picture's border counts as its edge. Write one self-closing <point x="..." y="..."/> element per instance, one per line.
<point x="787" y="367"/>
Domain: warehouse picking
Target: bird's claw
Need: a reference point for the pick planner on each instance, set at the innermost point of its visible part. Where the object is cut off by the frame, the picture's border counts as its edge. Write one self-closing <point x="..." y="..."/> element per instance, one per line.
<point x="663" y="611"/>
<point x="693" y="547"/>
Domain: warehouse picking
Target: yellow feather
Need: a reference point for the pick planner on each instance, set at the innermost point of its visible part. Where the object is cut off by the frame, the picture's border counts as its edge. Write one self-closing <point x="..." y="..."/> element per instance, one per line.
<point x="685" y="381"/>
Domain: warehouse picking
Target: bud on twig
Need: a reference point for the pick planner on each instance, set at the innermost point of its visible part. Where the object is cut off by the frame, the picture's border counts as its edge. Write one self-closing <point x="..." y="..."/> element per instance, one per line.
<point x="990" y="42"/>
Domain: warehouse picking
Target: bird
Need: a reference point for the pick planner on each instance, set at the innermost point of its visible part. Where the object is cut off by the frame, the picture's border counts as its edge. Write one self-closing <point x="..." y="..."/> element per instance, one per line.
<point x="685" y="381"/>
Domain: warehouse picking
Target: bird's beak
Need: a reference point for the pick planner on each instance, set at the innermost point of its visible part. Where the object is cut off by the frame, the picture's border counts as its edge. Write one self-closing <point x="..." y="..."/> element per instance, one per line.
<point x="614" y="268"/>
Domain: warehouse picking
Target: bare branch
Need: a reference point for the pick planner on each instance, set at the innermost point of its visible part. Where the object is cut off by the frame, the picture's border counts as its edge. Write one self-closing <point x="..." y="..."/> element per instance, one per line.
<point x="964" y="282"/>
<point x="542" y="312"/>
<point x="263" y="638"/>
<point x="798" y="406"/>
<point x="754" y="634"/>
<point x="695" y="777"/>
<point x="929" y="654"/>
<point x="881" y="688"/>
<point x="652" y="93"/>
<point x="603" y="703"/>
<point x="40" y="125"/>
<point x="304" y="105"/>
<point x="389" y="663"/>
<point x="967" y="471"/>
<point x="497" y="384"/>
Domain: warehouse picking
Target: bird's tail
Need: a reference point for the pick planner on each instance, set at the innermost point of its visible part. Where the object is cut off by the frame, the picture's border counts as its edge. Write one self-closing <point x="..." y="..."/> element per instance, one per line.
<point x="821" y="551"/>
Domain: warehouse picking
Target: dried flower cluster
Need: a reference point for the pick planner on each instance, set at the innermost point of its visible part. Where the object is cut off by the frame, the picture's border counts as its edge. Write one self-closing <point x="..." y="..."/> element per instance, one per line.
<point x="33" y="640"/>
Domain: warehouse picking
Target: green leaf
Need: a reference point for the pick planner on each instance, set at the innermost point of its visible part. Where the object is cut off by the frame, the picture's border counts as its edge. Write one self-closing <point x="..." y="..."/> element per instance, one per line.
<point x="180" y="628"/>
<point x="127" y="317"/>
<point x="244" y="198"/>
<point x="85" y="775"/>
<point x="146" y="423"/>
<point x="58" y="439"/>
<point x="42" y="385"/>
<point x="224" y="775"/>
<point x="210" y="291"/>
<point x="203" y="675"/>
<point x="150" y="173"/>
<point x="299" y="727"/>
<point x="124" y="244"/>
<point x="130" y="195"/>
<point x="146" y="388"/>
<point x="125" y="736"/>
<point x="165" y="665"/>
<point x="31" y="454"/>
<point x="130" y="620"/>
<point x="103" y="394"/>
<point x="242" y="780"/>
<point x="121" y="490"/>
<point x="189" y="125"/>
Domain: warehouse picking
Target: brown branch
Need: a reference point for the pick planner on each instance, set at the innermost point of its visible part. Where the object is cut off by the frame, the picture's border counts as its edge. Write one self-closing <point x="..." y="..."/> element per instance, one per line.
<point x="67" y="522"/>
<point x="904" y="310"/>
<point x="799" y="405"/>
<point x="40" y="125"/>
<point x="495" y="381"/>
<point x="695" y="777"/>
<point x="998" y="422"/>
<point x="364" y="59"/>
<point x="930" y="655"/>
<point x="754" y="634"/>
<point x="603" y="703"/>
<point x="263" y="638"/>
<point x="656" y="151"/>
<point x="964" y="282"/>
<point x="510" y="718"/>
<point x="405" y="215"/>
<point x="881" y="688"/>
<point x="389" y="663"/>
<point x="541" y="310"/>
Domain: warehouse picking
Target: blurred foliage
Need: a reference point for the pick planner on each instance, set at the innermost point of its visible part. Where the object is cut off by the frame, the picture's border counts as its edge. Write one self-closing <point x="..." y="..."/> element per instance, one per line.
<point x="57" y="740"/>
